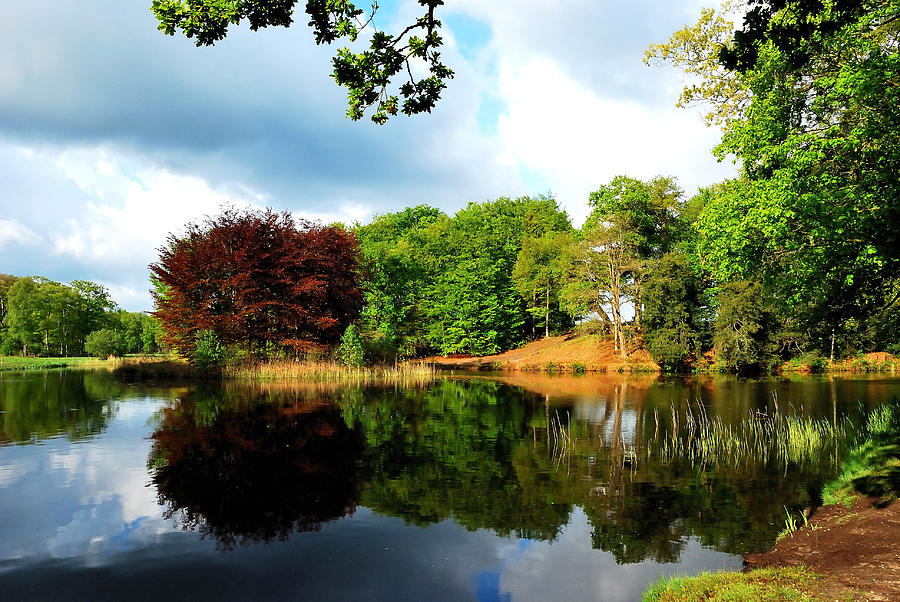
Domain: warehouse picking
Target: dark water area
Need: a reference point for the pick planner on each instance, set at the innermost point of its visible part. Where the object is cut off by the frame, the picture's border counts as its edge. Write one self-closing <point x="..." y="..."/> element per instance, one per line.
<point x="524" y="487"/>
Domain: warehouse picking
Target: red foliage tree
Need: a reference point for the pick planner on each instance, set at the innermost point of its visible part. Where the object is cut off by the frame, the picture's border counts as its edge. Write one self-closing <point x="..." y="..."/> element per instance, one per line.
<point x="257" y="278"/>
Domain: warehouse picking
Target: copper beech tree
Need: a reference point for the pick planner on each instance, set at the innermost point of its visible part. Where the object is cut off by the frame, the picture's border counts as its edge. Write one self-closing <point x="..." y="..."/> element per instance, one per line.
<point x="259" y="280"/>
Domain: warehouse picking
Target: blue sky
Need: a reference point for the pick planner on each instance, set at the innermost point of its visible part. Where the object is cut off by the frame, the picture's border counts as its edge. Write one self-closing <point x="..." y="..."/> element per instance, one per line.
<point x="112" y="135"/>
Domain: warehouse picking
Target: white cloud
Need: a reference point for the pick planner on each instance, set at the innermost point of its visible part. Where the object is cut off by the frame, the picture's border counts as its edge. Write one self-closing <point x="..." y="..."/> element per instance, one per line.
<point x="580" y="107"/>
<point x="133" y="206"/>
<point x="12" y="232"/>
<point x="579" y="140"/>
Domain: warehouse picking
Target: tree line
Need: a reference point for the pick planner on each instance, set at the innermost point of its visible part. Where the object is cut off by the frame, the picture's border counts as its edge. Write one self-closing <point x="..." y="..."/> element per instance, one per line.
<point x="489" y="278"/>
<point x="42" y="317"/>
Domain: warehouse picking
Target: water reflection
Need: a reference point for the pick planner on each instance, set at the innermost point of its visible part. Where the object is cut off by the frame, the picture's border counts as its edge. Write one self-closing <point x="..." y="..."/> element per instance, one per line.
<point x="247" y="465"/>
<point x="244" y="469"/>
<point x="518" y="457"/>
<point x="75" y="404"/>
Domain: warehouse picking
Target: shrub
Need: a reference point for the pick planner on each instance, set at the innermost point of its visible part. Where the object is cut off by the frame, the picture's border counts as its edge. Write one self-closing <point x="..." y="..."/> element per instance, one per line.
<point x="209" y="352"/>
<point x="104" y="343"/>
<point x="350" y="351"/>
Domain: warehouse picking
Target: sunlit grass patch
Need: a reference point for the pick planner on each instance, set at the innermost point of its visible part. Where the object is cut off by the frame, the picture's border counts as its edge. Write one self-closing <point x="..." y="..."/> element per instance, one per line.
<point x="13" y="362"/>
<point x="872" y="468"/>
<point x="787" y="583"/>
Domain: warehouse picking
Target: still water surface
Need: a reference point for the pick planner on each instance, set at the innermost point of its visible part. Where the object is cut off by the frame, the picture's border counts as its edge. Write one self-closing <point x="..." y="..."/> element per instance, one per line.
<point x="525" y="487"/>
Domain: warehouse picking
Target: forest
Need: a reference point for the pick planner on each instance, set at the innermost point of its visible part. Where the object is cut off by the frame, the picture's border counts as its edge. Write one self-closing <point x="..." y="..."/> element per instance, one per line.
<point x="46" y="318"/>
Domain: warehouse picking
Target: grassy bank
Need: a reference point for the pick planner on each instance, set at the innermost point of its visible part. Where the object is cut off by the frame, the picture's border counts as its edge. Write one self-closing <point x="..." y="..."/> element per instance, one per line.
<point x="788" y="583"/>
<point x="13" y="362"/>
<point x="873" y="467"/>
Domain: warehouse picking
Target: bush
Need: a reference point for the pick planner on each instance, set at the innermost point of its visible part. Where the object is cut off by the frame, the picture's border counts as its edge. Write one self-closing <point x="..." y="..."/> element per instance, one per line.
<point x="594" y="326"/>
<point x="104" y="343"/>
<point x="209" y="352"/>
<point x="350" y="351"/>
<point x="816" y="361"/>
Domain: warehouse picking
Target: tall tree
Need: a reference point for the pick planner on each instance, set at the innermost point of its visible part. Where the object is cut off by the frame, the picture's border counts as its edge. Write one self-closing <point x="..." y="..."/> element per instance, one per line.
<point x="472" y="303"/>
<point x="600" y="276"/>
<point x="396" y="273"/>
<point x="695" y="50"/>
<point x="538" y="274"/>
<point x="22" y="317"/>
<point x="257" y="280"/>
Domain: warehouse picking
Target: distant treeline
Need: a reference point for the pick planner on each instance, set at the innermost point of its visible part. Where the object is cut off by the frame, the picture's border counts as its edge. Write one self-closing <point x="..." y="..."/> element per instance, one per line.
<point x="42" y="317"/>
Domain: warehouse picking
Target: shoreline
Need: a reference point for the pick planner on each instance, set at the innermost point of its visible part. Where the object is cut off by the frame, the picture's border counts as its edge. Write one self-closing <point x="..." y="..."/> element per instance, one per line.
<point x="854" y="549"/>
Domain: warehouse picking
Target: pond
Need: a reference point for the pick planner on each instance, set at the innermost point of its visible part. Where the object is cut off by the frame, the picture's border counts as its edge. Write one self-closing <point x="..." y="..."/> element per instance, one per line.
<point x="525" y="487"/>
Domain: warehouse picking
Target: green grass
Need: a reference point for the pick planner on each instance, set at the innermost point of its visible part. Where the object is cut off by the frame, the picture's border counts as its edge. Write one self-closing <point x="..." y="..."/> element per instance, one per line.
<point x="873" y="467"/>
<point x="12" y="362"/>
<point x="788" y="583"/>
<point x="773" y="440"/>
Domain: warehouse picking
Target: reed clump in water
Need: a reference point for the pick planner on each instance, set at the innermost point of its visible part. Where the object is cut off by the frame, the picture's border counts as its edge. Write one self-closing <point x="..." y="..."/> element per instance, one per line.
<point x="403" y="373"/>
<point x="767" y="439"/>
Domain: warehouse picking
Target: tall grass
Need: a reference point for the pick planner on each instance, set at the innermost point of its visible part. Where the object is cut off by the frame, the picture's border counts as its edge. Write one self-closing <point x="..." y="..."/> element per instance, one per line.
<point x="404" y="373"/>
<point x="769" y="440"/>
<point x="873" y="467"/>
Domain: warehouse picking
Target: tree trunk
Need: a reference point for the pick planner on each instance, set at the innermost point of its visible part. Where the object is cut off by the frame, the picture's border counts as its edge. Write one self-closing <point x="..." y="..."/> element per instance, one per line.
<point x="547" y="316"/>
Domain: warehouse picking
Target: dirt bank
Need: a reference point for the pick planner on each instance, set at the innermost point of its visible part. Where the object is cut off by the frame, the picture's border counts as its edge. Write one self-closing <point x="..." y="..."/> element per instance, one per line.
<point x="856" y="549"/>
<point x="566" y="353"/>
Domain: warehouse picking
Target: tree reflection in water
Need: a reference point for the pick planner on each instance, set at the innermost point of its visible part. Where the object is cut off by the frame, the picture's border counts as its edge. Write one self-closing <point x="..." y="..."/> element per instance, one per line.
<point x="257" y="464"/>
<point x="254" y="471"/>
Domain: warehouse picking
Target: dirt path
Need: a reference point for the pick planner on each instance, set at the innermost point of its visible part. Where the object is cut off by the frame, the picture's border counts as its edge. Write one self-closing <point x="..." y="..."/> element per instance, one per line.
<point x="856" y="549"/>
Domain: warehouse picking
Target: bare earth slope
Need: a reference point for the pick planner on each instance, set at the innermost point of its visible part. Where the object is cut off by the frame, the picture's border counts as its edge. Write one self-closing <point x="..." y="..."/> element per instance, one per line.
<point x="856" y="549"/>
<point x="563" y="353"/>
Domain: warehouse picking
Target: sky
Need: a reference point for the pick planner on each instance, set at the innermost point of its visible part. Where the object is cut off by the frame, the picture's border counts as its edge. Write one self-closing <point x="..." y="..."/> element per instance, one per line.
<point x="113" y="135"/>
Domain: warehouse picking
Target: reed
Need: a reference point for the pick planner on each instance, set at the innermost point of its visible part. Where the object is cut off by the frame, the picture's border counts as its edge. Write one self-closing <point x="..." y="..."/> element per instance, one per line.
<point x="403" y="373"/>
<point x="760" y="438"/>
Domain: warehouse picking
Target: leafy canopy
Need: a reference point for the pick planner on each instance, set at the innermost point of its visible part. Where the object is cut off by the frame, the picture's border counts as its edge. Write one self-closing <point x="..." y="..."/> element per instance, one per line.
<point x="367" y="75"/>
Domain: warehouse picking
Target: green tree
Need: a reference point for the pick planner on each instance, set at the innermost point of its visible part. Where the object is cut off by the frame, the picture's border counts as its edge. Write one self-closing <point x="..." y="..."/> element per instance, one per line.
<point x="812" y="216"/>
<point x="674" y="311"/>
<point x="367" y="75"/>
<point x="472" y="303"/>
<point x="744" y="328"/>
<point x="538" y="274"/>
<point x="645" y="215"/>
<point x="396" y="270"/>
<point x="151" y="334"/>
<point x="105" y="342"/>
<point x="647" y="212"/>
<point x="23" y="314"/>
